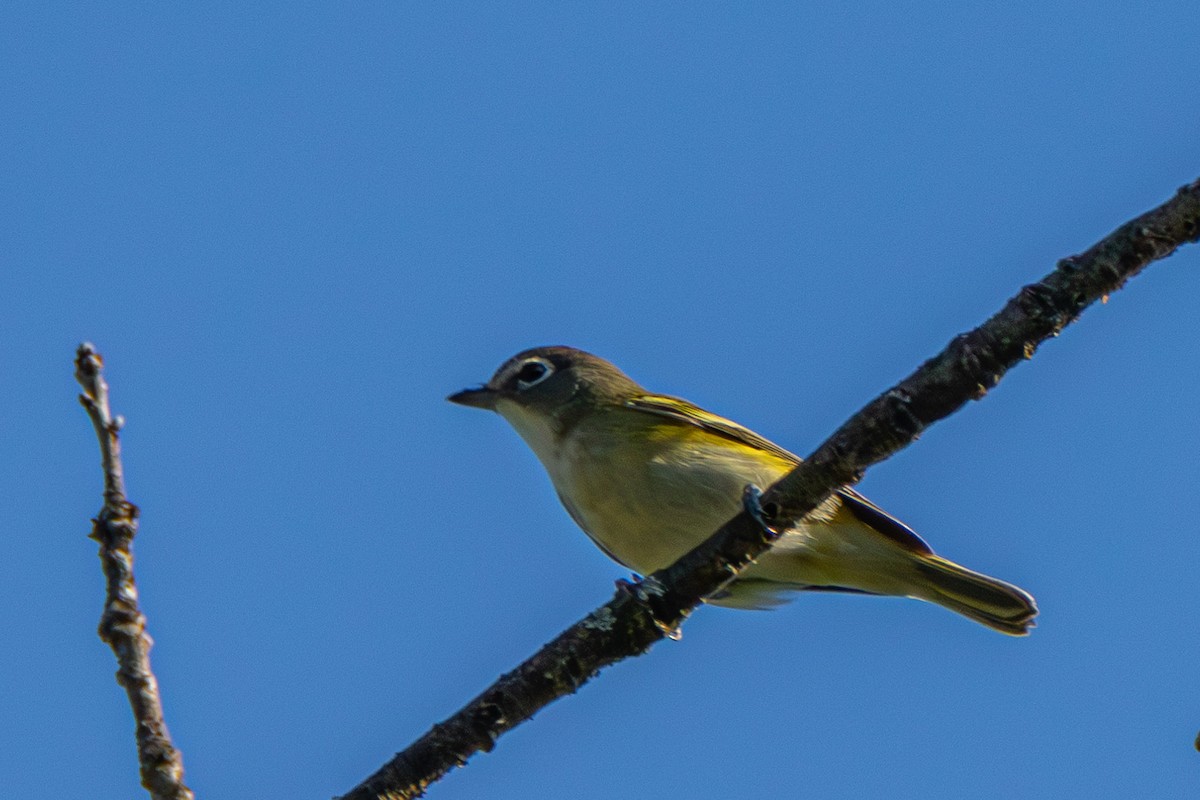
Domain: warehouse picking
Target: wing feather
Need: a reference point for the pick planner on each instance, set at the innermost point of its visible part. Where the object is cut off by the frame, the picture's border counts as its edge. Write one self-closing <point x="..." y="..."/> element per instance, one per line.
<point x="863" y="509"/>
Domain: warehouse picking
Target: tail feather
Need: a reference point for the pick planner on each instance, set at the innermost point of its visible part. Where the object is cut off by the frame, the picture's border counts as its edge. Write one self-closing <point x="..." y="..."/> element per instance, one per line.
<point x="989" y="601"/>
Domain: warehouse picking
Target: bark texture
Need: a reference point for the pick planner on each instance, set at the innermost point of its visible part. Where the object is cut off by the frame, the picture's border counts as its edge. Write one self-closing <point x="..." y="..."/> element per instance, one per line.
<point x="122" y="624"/>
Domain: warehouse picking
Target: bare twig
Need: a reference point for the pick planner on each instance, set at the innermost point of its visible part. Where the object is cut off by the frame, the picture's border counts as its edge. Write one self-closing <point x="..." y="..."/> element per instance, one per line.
<point x="122" y="624"/>
<point x="642" y="613"/>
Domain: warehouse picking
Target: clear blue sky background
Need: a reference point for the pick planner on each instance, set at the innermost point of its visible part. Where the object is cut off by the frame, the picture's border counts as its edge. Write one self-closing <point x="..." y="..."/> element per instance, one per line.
<point x="293" y="229"/>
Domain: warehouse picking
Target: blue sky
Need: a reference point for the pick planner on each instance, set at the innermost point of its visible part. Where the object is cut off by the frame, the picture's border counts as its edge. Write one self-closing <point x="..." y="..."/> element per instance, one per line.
<point x="292" y="229"/>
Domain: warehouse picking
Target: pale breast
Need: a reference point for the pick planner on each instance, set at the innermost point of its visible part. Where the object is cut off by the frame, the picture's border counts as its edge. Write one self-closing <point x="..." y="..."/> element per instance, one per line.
<point x="649" y="503"/>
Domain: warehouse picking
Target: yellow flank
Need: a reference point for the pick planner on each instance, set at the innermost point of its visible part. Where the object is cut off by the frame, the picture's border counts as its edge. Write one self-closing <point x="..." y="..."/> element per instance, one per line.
<point x="649" y="497"/>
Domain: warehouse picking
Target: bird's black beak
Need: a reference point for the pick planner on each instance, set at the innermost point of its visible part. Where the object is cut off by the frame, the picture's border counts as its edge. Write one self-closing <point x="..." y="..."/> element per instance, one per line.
<point x="482" y="397"/>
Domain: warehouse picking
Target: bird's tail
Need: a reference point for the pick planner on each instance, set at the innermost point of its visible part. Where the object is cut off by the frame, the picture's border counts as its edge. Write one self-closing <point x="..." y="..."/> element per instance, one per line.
<point x="992" y="602"/>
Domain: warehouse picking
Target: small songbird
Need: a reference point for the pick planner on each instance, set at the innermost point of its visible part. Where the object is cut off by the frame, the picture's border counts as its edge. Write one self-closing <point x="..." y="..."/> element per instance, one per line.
<point x="648" y="477"/>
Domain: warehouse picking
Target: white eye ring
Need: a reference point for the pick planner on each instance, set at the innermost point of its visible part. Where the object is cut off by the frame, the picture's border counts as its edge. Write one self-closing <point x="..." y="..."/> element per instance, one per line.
<point x="534" y="376"/>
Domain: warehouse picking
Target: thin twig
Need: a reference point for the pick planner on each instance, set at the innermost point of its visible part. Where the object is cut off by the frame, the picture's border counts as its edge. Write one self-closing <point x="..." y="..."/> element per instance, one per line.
<point x="122" y="625"/>
<point x="644" y="612"/>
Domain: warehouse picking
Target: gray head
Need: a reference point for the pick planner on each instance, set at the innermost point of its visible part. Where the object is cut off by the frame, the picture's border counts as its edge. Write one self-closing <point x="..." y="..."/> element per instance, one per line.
<point x="552" y="380"/>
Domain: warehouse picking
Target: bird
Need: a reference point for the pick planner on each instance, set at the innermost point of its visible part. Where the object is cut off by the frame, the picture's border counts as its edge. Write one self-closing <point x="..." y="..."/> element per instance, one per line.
<point x="649" y="476"/>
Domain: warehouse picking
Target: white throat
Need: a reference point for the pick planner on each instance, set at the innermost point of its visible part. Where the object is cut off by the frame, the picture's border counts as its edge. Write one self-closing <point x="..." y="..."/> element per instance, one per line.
<point x="538" y="432"/>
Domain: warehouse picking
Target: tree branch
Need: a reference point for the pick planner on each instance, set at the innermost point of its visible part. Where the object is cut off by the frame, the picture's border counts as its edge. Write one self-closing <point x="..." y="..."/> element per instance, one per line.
<point x="642" y="613"/>
<point x="122" y="625"/>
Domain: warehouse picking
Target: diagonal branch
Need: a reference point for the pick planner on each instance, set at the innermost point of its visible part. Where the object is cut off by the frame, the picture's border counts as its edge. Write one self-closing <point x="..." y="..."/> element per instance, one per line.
<point x="122" y="624"/>
<point x="642" y="613"/>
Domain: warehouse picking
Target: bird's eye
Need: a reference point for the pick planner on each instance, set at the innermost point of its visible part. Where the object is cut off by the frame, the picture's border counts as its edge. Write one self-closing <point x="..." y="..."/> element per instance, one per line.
<point x="532" y="372"/>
